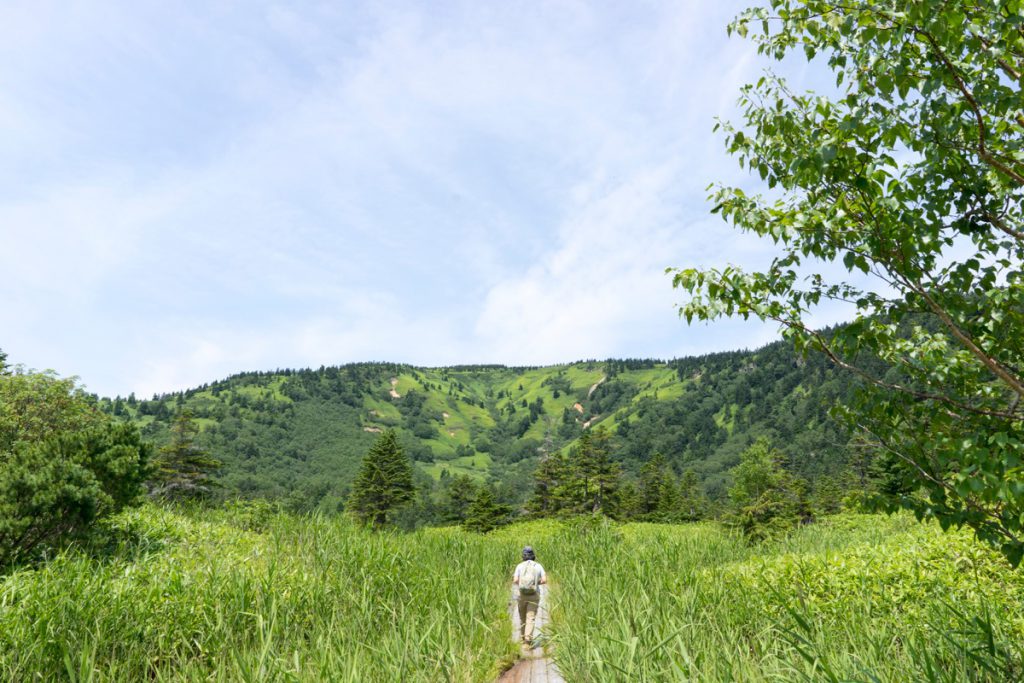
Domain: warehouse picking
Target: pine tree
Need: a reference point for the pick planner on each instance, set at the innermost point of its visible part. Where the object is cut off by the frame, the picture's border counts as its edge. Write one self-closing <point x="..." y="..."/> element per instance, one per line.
<point x="579" y="475"/>
<point x="693" y="503"/>
<point x="586" y="481"/>
<point x="182" y="469"/>
<point x="653" y="485"/>
<point x="459" y="493"/>
<point x="384" y="482"/>
<point x="766" y="498"/>
<point x="485" y="512"/>
<point x="549" y="488"/>
<point x="630" y="504"/>
<point x="605" y="473"/>
<point x="669" y="506"/>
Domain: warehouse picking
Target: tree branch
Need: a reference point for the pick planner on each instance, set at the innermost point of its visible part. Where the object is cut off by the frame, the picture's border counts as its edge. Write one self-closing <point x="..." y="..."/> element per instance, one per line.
<point x="992" y="364"/>
<point x="983" y="151"/>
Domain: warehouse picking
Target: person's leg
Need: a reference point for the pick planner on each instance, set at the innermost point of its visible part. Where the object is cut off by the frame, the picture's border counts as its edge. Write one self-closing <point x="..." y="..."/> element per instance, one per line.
<point x="531" y="618"/>
<point x="522" y="619"/>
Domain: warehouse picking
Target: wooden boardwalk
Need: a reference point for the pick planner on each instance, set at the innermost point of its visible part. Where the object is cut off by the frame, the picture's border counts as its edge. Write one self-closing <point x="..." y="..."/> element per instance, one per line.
<point x="535" y="665"/>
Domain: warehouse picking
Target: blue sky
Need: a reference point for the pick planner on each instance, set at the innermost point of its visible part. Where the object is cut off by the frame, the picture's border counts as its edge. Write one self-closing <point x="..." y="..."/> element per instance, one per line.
<point x="189" y="190"/>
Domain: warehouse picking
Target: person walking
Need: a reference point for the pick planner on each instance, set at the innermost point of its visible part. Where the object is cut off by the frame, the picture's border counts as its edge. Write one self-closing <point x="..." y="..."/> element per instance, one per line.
<point x="528" y="577"/>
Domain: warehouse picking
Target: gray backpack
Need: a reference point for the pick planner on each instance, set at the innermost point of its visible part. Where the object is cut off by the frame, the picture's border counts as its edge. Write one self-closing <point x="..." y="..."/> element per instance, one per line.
<point x="529" y="579"/>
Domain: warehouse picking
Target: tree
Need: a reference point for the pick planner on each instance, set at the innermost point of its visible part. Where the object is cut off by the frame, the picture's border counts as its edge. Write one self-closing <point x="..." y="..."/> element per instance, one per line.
<point x="911" y="180"/>
<point x="630" y="504"/>
<point x="659" y="491"/>
<point x="551" y="480"/>
<point x="600" y="474"/>
<point x="586" y="480"/>
<point x="63" y="465"/>
<point x="693" y="503"/>
<point x="384" y="483"/>
<point x="183" y="469"/>
<point x="485" y="512"/>
<point x="459" y="493"/>
<point x="765" y="498"/>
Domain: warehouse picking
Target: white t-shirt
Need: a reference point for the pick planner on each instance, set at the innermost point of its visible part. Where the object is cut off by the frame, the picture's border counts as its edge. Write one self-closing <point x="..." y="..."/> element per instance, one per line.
<point x="522" y="565"/>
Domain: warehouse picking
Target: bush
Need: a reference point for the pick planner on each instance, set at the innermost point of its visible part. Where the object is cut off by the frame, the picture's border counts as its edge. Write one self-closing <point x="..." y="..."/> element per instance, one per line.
<point x="63" y="465"/>
<point x="54" y="490"/>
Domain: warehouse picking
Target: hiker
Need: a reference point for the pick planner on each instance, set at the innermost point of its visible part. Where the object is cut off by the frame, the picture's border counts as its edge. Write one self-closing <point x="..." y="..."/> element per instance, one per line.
<point x="528" y="578"/>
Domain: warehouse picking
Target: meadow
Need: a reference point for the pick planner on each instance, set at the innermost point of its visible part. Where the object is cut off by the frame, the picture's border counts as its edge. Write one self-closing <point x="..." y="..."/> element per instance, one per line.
<point x="244" y="595"/>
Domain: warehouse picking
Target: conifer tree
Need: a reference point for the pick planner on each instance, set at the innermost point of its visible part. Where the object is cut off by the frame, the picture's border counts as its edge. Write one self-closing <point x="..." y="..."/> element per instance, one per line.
<point x="766" y="498"/>
<point x="485" y="512"/>
<point x="656" y="485"/>
<point x="585" y="481"/>
<point x="460" y="492"/>
<point x="693" y="503"/>
<point x="549" y="487"/>
<point x="605" y="474"/>
<point x="630" y="504"/>
<point x="182" y="469"/>
<point x="384" y="482"/>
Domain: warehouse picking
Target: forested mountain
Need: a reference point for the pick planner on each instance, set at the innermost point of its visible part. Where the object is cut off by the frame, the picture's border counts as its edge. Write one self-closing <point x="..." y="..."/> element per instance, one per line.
<point x="298" y="435"/>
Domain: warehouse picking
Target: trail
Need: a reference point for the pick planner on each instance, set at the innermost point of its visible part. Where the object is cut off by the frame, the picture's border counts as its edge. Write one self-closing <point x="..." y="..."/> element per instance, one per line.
<point x="596" y="385"/>
<point x="534" y="665"/>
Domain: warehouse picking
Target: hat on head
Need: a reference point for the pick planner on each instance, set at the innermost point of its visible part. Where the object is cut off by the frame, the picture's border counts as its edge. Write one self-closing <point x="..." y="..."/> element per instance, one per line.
<point x="528" y="553"/>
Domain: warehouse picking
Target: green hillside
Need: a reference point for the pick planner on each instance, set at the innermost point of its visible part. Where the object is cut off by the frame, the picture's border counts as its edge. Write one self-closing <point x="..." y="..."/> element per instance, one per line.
<point x="298" y="435"/>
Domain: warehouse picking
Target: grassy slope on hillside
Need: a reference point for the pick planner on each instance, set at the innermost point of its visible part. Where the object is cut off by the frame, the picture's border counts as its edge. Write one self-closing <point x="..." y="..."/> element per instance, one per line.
<point x="230" y="596"/>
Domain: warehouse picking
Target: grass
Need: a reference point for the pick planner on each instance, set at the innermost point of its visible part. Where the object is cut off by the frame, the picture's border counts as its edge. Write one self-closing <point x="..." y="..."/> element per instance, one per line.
<point x="235" y="596"/>
<point x="303" y="600"/>
<point x="857" y="598"/>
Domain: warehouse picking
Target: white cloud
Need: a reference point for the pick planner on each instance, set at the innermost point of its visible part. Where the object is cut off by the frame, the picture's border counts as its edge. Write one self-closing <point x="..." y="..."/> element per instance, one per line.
<point x="333" y="183"/>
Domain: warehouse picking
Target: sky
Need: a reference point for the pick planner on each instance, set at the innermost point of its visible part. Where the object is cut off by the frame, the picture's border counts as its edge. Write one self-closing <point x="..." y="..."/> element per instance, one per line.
<point x="194" y="189"/>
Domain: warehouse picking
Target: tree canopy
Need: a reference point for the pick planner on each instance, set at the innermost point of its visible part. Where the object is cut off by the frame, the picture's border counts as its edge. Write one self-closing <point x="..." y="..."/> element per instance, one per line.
<point x="910" y="179"/>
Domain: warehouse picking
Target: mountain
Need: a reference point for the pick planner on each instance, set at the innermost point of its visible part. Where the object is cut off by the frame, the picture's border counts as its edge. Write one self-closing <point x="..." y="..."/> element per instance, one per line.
<point x="299" y="435"/>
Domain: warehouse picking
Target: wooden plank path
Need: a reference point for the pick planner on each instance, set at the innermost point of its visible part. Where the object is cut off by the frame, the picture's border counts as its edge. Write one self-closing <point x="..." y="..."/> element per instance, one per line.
<point x="535" y="665"/>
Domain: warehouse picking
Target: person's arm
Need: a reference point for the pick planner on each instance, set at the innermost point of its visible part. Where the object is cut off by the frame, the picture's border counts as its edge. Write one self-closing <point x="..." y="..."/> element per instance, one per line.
<point x="543" y="576"/>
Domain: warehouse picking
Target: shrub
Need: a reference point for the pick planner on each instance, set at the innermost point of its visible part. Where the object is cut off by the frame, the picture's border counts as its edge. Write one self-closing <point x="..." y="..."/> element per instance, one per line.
<point x="62" y="464"/>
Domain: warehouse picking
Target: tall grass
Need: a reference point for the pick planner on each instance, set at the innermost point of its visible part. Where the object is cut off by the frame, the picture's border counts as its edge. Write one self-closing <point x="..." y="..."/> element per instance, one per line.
<point x="307" y="599"/>
<point x="858" y="598"/>
<point x="228" y="597"/>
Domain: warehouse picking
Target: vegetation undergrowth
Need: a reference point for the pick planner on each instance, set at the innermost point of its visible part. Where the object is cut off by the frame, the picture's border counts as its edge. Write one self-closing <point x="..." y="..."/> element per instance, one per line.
<point x="856" y="598"/>
<point x="306" y="599"/>
<point x="230" y="595"/>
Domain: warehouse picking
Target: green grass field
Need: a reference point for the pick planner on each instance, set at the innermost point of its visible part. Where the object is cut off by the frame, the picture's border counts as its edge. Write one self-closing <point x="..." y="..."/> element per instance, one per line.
<point x="236" y="596"/>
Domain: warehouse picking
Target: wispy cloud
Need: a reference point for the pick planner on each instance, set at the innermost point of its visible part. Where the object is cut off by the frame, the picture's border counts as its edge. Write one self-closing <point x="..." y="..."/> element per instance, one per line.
<point x="193" y="191"/>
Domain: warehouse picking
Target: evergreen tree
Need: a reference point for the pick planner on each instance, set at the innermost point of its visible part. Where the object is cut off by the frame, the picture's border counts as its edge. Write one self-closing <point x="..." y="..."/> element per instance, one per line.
<point x="384" y="482"/>
<point x="485" y="512"/>
<point x="183" y="469"/>
<point x="693" y="504"/>
<point x="605" y="473"/>
<point x="459" y="493"/>
<point x="630" y="504"/>
<point x="658" y="492"/>
<point x="828" y="495"/>
<point x="669" y="506"/>
<point x="766" y="499"/>
<point x="549" y="487"/>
